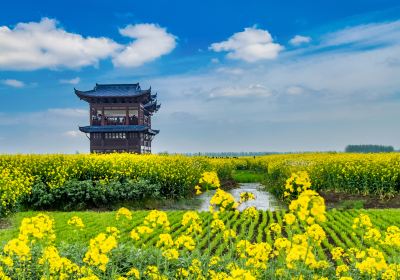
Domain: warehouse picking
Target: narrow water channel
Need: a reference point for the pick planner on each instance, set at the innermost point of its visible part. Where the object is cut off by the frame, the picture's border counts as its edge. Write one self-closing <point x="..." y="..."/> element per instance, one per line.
<point x="264" y="200"/>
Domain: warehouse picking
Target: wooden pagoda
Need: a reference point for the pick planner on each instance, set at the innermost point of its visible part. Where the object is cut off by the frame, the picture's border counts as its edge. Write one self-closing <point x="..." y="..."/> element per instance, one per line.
<point x="120" y="118"/>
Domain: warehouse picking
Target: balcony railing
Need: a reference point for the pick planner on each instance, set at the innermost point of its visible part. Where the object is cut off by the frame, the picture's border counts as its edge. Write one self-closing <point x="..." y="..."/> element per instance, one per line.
<point x="96" y="122"/>
<point x="115" y="121"/>
<point x="133" y="121"/>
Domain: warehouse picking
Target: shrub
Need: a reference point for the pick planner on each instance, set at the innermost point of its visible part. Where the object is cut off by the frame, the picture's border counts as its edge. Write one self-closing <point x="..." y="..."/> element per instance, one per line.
<point x="87" y="194"/>
<point x="368" y="149"/>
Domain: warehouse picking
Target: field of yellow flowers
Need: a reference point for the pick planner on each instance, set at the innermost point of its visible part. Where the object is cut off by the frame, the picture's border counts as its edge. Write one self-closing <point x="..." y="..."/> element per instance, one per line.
<point x="372" y="174"/>
<point x="176" y="175"/>
<point x="304" y="242"/>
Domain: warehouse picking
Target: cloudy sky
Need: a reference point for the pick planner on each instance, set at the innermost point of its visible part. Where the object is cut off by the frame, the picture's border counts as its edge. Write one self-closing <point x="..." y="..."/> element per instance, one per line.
<point x="231" y="75"/>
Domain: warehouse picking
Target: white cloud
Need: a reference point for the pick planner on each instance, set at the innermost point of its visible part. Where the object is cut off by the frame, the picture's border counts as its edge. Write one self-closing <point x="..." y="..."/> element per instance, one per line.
<point x="43" y="44"/>
<point x="73" y="81"/>
<point x="230" y="70"/>
<point x="73" y="133"/>
<point x="325" y="100"/>
<point x="299" y="39"/>
<point x="250" y="45"/>
<point x="365" y="34"/>
<point x="336" y="86"/>
<point x="295" y="90"/>
<point x="49" y="117"/>
<point x="50" y="131"/>
<point x="68" y="112"/>
<point x="13" y="83"/>
<point x="151" y="41"/>
<point x="253" y="90"/>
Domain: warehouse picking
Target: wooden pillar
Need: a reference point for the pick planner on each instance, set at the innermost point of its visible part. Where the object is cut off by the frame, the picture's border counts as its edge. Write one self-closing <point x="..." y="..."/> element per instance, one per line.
<point x="127" y="116"/>
<point x="91" y="114"/>
<point x="140" y="114"/>
<point x="103" y="120"/>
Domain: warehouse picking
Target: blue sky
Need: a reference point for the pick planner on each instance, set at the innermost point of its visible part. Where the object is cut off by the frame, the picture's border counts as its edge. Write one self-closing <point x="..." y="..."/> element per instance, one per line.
<point x="231" y="75"/>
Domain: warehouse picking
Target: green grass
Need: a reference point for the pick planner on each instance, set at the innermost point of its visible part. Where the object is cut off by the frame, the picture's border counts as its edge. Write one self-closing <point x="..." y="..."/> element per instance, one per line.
<point x="351" y="204"/>
<point x="161" y="204"/>
<point x="248" y="176"/>
<point x="95" y="223"/>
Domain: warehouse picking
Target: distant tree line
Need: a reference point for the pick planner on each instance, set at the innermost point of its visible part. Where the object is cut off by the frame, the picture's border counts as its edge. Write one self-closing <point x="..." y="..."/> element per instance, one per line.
<point x="224" y="154"/>
<point x="231" y="154"/>
<point x="349" y="149"/>
<point x="368" y="149"/>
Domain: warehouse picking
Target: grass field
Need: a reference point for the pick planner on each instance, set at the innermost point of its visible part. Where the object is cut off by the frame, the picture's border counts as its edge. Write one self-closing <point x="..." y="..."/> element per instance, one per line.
<point x="248" y="176"/>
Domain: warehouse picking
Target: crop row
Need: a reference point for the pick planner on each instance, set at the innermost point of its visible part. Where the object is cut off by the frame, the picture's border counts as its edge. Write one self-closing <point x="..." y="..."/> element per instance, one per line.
<point x="254" y="229"/>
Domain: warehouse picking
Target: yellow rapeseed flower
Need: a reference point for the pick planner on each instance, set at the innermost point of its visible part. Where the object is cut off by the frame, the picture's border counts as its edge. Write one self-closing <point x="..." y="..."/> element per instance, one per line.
<point x="76" y="222"/>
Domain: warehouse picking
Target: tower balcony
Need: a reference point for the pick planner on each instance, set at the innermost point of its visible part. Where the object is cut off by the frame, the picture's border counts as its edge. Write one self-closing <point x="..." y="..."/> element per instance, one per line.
<point x="115" y="121"/>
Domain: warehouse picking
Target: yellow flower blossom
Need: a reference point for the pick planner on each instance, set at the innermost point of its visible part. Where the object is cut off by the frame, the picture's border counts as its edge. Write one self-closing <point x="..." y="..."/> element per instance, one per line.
<point x="223" y="201"/>
<point x="134" y="235"/>
<point x="19" y="248"/>
<point x="76" y="222"/>
<point x="316" y="233"/>
<point x="123" y="212"/>
<point x="289" y="218"/>
<point x="275" y="228"/>
<point x="144" y="230"/>
<point x="134" y="273"/>
<point x="217" y="225"/>
<point x="186" y="242"/>
<point x="214" y="260"/>
<point x="99" y="247"/>
<point x="157" y="218"/>
<point x="171" y="254"/>
<point x="340" y="269"/>
<point x="192" y="219"/>
<point x="337" y="253"/>
<point x="153" y="273"/>
<point x="229" y="234"/>
<point x="246" y="196"/>
<point x="250" y="212"/>
<point x="165" y="241"/>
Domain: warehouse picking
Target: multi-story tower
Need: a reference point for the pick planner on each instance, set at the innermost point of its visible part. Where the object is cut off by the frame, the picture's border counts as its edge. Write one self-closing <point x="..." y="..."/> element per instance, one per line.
<point x="120" y="118"/>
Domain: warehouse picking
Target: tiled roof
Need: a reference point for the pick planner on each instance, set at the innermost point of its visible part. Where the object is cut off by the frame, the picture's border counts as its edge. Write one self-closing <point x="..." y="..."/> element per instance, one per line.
<point x="113" y="90"/>
<point x="118" y="128"/>
<point x="152" y="106"/>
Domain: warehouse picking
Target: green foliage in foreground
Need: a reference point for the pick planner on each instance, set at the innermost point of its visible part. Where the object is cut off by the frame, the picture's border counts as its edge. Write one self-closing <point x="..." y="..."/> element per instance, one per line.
<point x="337" y="226"/>
<point x="73" y="243"/>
